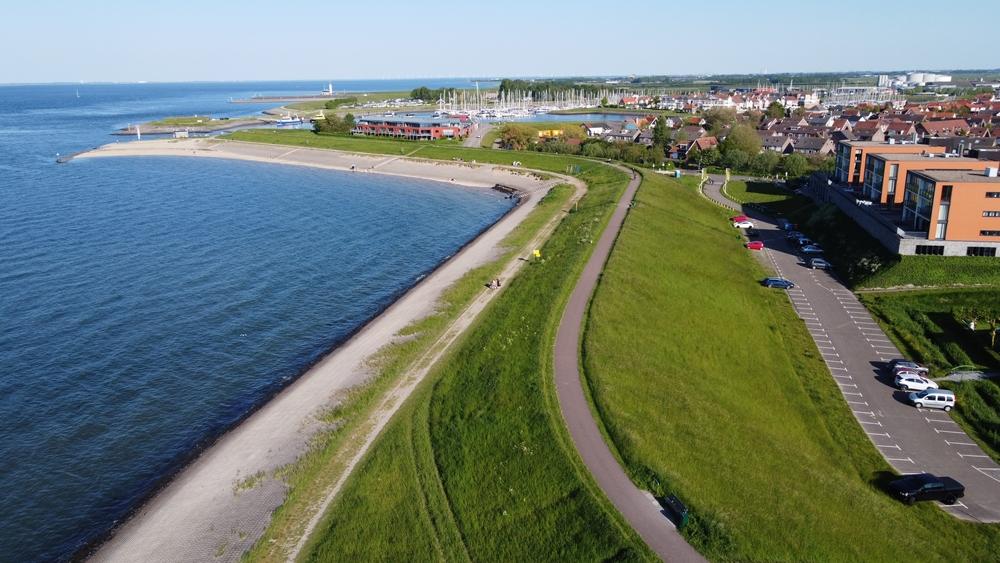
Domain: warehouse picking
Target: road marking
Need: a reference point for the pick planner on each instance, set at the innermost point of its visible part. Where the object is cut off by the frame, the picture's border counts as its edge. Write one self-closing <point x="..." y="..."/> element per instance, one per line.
<point x="958" y="504"/>
<point x="960" y="454"/>
<point x="879" y="434"/>
<point x="848" y="384"/>
<point x="850" y="393"/>
<point x="847" y="376"/>
<point x="900" y="459"/>
<point x="875" y="422"/>
<point x="949" y="431"/>
<point x="878" y="340"/>
<point x="830" y="354"/>
<point x="939" y="420"/>
<point x="984" y="470"/>
<point x="834" y="361"/>
<point x="836" y="368"/>
<point x="889" y="446"/>
<point x="959" y="443"/>
<point x="826" y="347"/>
<point x="865" y="403"/>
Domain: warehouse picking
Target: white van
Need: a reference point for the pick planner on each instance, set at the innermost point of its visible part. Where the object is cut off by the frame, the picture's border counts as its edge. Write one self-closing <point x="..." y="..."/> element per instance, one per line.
<point x="933" y="399"/>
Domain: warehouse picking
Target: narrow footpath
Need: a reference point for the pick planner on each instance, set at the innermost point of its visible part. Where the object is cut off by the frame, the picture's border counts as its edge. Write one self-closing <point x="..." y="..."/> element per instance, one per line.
<point x="857" y="352"/>
<point x="639" y="508"/>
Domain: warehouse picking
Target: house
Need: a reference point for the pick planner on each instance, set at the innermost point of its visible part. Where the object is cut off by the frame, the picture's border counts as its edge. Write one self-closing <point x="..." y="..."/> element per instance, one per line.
<point x="814" y="145"/>
<point x="782" y="145"/>
<point x="703" y="144"/>
<point x="691" y="132"/>
<point x="899" y="128"/>
<point x="595" y="129"/>
<point x="645" y="138"/>
<point x="943" y="128"/>
<point x="872" y="130"/>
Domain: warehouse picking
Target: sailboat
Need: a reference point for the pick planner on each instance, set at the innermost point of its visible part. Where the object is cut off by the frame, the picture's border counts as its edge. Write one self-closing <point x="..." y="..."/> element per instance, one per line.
<point x="77" y="92"/>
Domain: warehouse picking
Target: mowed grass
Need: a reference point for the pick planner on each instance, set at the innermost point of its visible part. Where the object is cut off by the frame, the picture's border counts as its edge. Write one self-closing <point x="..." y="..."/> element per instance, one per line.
<point x="477" y="465"/>
<point x="711" y="389"/>
<point x="924" y="327"/>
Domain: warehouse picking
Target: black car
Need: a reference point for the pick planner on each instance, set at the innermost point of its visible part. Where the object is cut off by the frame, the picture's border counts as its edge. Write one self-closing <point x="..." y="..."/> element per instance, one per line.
<point x="781" y="283"/>
<point x="924" y="486"/>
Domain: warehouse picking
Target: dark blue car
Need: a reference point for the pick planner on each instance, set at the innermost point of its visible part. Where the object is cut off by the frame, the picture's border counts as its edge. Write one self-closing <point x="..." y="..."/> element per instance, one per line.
<point x="781" y="283"/>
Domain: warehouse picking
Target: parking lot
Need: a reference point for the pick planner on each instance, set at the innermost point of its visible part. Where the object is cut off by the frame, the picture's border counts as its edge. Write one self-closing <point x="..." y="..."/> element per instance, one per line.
<point x="857" y="352"/>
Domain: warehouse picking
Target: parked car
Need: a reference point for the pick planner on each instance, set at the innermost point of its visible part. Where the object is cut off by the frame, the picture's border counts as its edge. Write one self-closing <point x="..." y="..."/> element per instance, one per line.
<point x="933" y="399"/>
<point x="924" y="486"/>
<point x="908" y="381"/>
<point x="780" y="283"/>
<point x="756" y="245"/>
<point x="752" y="232"/>
<point x="794" y="235"/>
<point x="743" y="224"/>
<point x="739" y="218"/>
<point x="819" y="263"/>
<point x="804" y="241"/>
<point x="811" y="249"/>
<point x="785" y="225"/>
<point x="905" y="365"/>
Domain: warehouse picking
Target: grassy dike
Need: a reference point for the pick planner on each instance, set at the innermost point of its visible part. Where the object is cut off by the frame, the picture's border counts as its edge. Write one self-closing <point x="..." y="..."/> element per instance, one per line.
<point x="477" y="464"/>
<point x="710" y="388"/>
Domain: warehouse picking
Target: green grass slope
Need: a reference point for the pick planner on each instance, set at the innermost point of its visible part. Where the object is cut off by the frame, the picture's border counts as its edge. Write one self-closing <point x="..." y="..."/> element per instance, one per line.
<point x="710" y="388"/>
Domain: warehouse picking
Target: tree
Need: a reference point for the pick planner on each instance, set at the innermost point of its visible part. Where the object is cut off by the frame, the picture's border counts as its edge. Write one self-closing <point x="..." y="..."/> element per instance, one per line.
<point x="775" y="110"/>
<point x="795" y="165"/>
<point x="764" y="162"/>
<point x="604" y="102"/>
<point x="517" y="136"/>
<point x="332" y="124"/>
<point x="657" y="154"/>
<point x="742" y="138"/>
<point x="718" y="118"/>
<point x="799" y="112"/>
<point x="735" y="159"/>
<point x="661" y="133"/>
<point x="594" y="149"/>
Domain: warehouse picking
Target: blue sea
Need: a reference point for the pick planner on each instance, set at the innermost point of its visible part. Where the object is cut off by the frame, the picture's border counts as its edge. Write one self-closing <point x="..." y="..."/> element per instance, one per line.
<point x="149" y="304"/>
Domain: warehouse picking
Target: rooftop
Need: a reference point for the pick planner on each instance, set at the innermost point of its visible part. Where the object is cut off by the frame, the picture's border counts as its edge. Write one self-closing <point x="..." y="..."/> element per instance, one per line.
<point x="959" y="176"/>
<point x="915" y="157"/>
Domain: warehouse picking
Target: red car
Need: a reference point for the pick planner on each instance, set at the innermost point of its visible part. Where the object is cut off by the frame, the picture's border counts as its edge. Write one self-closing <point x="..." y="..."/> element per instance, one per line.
<point x="755" y="245"/>
<point x="739" y="219"/>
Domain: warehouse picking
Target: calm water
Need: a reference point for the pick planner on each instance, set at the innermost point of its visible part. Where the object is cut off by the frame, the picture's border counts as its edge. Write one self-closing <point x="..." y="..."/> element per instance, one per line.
<point x="148" y="304"/>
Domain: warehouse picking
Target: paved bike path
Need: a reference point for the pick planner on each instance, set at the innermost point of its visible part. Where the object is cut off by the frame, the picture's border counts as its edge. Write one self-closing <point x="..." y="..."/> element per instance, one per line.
<point x="638" y="507"/>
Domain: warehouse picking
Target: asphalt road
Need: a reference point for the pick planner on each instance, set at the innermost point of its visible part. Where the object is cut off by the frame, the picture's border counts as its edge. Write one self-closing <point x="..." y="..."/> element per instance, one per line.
<point x="639" y="508"/>
<point x="476" y="138"/>
<point x="857" y="351"/>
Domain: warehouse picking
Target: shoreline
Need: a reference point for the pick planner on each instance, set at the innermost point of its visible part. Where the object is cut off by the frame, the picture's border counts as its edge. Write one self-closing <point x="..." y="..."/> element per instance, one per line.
<point x="201" y="505"/>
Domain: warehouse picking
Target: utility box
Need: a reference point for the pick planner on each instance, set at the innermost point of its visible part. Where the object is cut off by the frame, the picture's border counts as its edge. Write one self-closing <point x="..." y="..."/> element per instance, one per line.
<point x="677" y="173"/>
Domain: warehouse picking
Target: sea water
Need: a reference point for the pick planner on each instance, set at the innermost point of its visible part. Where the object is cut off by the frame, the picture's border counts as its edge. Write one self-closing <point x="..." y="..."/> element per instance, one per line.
<point x="148" y="304"/>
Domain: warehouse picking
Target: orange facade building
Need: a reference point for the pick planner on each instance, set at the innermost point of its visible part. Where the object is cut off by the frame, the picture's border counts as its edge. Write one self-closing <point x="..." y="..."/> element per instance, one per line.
<point x="885" y="173"/>
<point x="852" y="157"/>
<point x="955" y="205"/>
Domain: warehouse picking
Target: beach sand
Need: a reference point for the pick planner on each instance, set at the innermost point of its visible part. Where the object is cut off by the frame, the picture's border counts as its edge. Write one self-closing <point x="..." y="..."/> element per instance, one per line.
<point x="206" y="512"/>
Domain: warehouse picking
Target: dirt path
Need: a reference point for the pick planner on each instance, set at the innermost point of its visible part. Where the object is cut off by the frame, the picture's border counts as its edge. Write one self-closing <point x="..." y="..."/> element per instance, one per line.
<point x="638" y="507"/>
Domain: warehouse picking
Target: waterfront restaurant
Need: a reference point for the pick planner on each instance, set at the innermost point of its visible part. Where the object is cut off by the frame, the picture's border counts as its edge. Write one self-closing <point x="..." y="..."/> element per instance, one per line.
<point x="884" y="172"/>
<point x="852" y="157"/>
<point x="954" y="205"/>
<point x="412" y="127"/>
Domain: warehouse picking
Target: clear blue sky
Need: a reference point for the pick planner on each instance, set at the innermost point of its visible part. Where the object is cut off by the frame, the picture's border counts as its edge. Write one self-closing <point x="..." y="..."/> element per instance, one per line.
<point x="177" y="40"/>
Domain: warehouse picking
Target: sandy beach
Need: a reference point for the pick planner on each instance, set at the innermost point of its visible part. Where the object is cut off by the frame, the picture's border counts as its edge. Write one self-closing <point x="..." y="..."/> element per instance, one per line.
<point x="204" y="513"/>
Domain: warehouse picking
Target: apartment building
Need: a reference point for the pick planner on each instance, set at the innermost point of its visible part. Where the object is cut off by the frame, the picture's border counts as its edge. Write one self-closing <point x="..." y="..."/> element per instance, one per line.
<point x="885" y="173"/>
<point x="958" y="209"/>
<point x="852" y="157"/>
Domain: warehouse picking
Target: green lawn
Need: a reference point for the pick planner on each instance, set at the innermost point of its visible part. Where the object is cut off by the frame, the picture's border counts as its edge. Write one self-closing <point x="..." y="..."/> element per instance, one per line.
<point x="193" y="121"/>
<point x="711" y="388"/>
<point x="924" y="327"/>
<point x="478" y="464"/>
<point x="494" y="133"/>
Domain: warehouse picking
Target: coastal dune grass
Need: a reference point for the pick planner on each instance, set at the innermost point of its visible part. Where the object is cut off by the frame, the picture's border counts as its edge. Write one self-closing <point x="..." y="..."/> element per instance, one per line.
<point x="710" y="388"/>
<point x="924" y="327"/>
<point x="477" y="465"/>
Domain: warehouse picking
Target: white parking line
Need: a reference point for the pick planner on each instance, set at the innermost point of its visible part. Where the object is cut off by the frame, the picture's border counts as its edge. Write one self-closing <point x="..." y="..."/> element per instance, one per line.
<point x="834" y="361"/>
<point x="958" y="504"/>
<point x="844" y="376"/>
<point x="826" y="347"/>
<point x="889" y="446"/>
<point x="865" y="403"/>
<point x="940" y="420"/>
<point x="961" y="455"/>
<point x="875" y="422"/>
<point x="830" y="354"/>
<point x="836" y="368"/>
<point x="847" y="384"/>
<point x="991" y="475"/>
<point x="948" y="431"/>
<point x="878" y="340"/>
<point x="899" y="459"/>
<point x="960" y="443"/>
<point x="879" y="434"/>
<point x="869" y="413"/>
<point x="842" y="392"/>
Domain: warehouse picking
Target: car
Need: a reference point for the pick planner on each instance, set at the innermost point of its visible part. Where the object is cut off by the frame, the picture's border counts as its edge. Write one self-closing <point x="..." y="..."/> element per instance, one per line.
<point x="905" y="365"/>
<point x="804" y="241"/>
<point x="743" y="224"/>
<point x="756" y="245"/>
<point x="811" y="249"/>
<point x="818" y="263"/>
<point x="794" y="235"/>
<point x="739" y="218"/>
<point x="785" y="225"/>
<point x="780" y="283"/>
<point x="924" y="486"/>
<point x="913" y="382"/>
<point x="752" y="232"/>
<point x="933" y="398"/>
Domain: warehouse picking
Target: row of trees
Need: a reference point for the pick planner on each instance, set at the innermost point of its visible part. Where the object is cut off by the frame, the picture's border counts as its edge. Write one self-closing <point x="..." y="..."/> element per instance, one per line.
<point x="537" y="87"/>
<point x="334" y="125"/>
<point x="989" y="314"/>
<point x="430" y="94"/>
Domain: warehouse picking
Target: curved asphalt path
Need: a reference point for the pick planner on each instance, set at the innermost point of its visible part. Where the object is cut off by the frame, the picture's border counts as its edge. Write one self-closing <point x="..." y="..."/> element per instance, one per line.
<point x="639" y="508"/>
<point x="855" y="350"/>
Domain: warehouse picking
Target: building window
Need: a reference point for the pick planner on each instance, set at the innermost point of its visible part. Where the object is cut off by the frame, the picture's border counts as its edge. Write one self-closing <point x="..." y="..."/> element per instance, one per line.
<point x="991" y="213"/>
<point x="946" y="194"/>
<point x="993" y="194"/>
<point x="989" y="233"/>
<point x="929" y="250"/>
<point x="981" y="251"/>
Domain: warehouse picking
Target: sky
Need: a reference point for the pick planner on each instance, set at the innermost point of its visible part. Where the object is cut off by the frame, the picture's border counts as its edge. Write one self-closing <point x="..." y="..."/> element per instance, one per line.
<point x="196" y="40"/>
